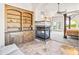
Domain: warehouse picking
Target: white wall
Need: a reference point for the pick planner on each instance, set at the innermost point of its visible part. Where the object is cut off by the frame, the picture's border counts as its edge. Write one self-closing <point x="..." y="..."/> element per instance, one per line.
<point x="59" y="19"/>
<point x="27" y="6"/>
<point x="52" y="8"/>
<point x="2" y="41"/>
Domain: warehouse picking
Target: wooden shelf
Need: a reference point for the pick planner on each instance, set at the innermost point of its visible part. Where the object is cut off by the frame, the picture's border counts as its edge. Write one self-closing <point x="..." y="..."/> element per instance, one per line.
<point x="13" y="22"/>
<point x="13" y="14"/>
<point x="13" y="27"/>
<point x="13" y="18"/>
<point x="27" y="16"/>
<point x="18" y="18"/>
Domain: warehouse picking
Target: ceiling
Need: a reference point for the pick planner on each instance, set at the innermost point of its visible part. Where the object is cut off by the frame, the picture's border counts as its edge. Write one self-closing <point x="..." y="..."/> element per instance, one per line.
<point x="52" y="7"/>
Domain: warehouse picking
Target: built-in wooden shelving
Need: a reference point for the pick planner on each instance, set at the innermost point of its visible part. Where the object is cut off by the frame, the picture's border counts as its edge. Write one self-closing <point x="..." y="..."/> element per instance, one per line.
<point x="18" y="19"/>
<point x="18" y="25"/>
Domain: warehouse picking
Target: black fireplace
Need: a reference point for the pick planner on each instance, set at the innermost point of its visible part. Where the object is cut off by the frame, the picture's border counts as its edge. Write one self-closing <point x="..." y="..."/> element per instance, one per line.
<point x="43" y="32"/>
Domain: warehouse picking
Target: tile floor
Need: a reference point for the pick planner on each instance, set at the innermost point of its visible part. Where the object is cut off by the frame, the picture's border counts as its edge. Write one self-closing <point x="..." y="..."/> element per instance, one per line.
<point x="50" y="47"/>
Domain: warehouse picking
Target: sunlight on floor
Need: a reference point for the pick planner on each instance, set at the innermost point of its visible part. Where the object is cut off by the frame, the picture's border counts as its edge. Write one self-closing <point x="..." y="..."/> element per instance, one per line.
<point x="56" y="46"/>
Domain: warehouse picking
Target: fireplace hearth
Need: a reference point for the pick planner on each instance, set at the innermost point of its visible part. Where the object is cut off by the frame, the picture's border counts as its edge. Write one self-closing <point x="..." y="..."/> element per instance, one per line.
<point x="43" y="32"/>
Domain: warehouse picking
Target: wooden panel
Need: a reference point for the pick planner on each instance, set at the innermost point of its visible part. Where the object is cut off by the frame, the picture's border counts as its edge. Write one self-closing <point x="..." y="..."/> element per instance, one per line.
<point x="26" y="21"/>
<point x="65" y="16"/>
<point x="18" y="20"/>
<point x="13" y="18"/>
<point x="28" y="36"/>
<point x="8" y="39"/>
<point x="72" y="32"/>
<point x="16" y="38"/>
<point x="19" y="37"/>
